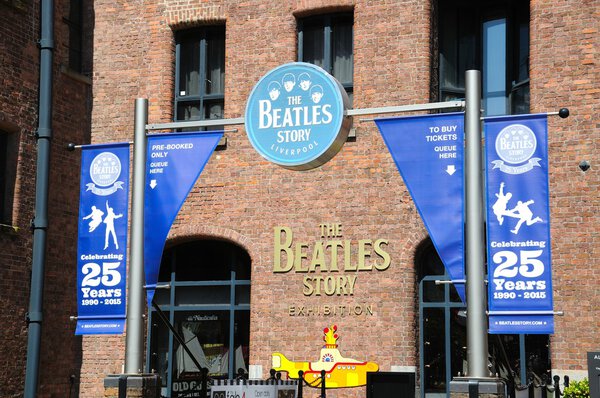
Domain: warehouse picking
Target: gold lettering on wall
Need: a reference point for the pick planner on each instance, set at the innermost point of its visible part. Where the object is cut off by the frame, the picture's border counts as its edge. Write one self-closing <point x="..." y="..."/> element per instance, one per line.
<point x="331" y="264"/>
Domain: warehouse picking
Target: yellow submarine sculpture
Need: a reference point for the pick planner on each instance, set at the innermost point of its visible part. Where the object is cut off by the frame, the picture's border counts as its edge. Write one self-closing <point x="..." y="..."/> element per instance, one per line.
<point x="339" y="371"/>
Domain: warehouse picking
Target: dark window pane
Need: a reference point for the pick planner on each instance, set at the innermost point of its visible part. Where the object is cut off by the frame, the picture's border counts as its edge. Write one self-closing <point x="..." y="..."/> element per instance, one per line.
<point x="432" y="292"/>
<point x="241" y="341"/>
<point x="162" y="296"/>
<point x="189" y="111"/>
<point x="505" y="354"/>
<point x="342" y="51"/>
<point x="160" y="348"/>
<point x="313" y="45"/>
<point x="213" y="109"/>
<point x="205" y="261"/>
<point x="207" y="338"/>
<point x="202" y="295"/>
<point x="434" y="351"/>
<point x="242" y="294"/>
<point x="9" y="150"/>
<point x="458" y="342"/>
<point x="215" y="62"/>
<point x="74" y="22"/>
<point x="189" y="66"/>
<point x="538" y="354"/>
<point x="520" y="100"/>
<point x="327" y="41"/>
<point x="200" y="65"/>
<point x="490" y="37"/>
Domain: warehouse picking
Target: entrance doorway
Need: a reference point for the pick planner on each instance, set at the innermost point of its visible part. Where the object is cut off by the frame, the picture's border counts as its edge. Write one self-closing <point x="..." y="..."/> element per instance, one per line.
<point x="442" y="325"/>
<point x="443" y="338"/>
<point x="208" y="304"/>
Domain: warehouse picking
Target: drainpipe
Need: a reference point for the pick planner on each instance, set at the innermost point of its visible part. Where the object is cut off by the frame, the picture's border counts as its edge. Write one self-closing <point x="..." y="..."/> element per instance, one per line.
<point x="40" y="222"/>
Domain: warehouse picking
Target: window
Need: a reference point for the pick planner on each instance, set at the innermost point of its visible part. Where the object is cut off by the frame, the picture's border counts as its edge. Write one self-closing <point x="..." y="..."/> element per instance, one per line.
<point x="443" y="336"/>
<point x="493" y="37"/>
<point x="8" y="169"/>
<point x="208" y="304"/>
<point x="326" y="41"/>
<point x="74" y="22"/>
<point x="200" y="74"/>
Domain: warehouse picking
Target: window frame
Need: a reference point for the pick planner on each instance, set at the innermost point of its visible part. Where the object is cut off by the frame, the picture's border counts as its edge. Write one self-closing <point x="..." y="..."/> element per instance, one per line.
<point x="201" y="98"/>
<point x="429" y="269"/>
<point x="9" y="145"/>
<point x="514" y="15"/>
<point x="74" y="22"/>
<point x="238" y="283"/>
<point x="328" y="23"/>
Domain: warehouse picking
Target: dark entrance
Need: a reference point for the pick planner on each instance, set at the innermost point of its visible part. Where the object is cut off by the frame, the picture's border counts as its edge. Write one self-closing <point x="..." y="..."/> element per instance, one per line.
<point x="443" y="339"/>
<point x="208" y="303"/>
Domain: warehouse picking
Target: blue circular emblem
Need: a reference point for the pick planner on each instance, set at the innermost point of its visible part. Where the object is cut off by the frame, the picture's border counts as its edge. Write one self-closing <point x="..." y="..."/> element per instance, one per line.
<point x="295" y="116"/>
<point x="105" y="169"/>
<point x="516" y="143"/>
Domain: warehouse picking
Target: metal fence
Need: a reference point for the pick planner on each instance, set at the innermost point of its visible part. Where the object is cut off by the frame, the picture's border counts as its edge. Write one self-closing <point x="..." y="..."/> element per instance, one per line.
<point x="542" y="388"/>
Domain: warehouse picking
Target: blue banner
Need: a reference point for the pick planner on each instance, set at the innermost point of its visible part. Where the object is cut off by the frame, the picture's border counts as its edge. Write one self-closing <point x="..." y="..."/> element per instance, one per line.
<point x="174" y="162"/>
<point x="102" y="240"/>
<point x="518" y="225"/>
<point x="428" y="151"/>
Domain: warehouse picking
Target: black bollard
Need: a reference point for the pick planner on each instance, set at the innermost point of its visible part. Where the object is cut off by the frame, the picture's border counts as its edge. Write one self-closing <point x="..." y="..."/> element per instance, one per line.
<point x="323" y="395"/>
<point x="544" y="385"/>
<point x="204" y="381"/>
<point x="557" y="393"/>
<point x="300" y="383"/>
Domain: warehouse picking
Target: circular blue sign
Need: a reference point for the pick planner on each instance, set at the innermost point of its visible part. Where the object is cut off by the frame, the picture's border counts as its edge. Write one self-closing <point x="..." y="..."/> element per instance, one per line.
<point x="295" y="116"/>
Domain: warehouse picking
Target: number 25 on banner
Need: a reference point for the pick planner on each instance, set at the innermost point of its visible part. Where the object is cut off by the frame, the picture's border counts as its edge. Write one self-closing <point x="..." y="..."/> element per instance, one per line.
<point x="528" y="257"/>
<point x="108" y="275"/>
<point x="511" y="265"/>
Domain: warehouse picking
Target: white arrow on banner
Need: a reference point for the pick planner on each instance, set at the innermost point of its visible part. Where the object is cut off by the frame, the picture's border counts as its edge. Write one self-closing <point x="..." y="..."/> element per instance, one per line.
<point x="451" y="169"/>
<point x="153" y="184"/>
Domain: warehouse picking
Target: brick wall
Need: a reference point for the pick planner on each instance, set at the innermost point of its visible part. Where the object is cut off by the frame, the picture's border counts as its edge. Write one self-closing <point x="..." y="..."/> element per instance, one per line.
<point x="19" y="69"/>
<point x="241" y="197"/>
<point x="565" y="44"/>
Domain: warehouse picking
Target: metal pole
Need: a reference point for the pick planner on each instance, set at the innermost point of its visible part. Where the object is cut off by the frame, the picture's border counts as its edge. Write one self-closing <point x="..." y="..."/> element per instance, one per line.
<point x="40" y="222"/>
<point x="134" y="343"/>
<point x="477" y="342"/>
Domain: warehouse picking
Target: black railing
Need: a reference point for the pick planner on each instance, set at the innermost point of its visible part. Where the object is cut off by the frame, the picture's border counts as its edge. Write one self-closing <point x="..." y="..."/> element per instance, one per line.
<point x="204" y="382"/>
<point x="547" y="388"/>
<point x="321" y="380"/>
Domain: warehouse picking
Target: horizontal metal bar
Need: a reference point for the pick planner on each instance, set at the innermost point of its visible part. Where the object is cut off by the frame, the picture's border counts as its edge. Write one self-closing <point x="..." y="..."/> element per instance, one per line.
<point x="560" y="113"/>
<point x="208" y="307"/>
<point x="404" y="108"/>
<point x="163" y="286"/>
<point x="560" y="313"/>
<point x="350" y="112"/>
<point x="195" y="123"/>
<point x="93" y="317"/>
<point x="450" y="282"/>
<point x="72" y="146"/>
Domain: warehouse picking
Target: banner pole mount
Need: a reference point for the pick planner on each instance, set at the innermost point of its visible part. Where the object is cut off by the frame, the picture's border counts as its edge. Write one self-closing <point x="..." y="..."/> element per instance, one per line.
<point x="563" y="113"/>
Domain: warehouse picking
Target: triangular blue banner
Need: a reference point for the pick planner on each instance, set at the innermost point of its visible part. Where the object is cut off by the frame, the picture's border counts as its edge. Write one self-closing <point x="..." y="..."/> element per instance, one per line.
<point x="428" y="151"/>
<point x="174" y="162"/>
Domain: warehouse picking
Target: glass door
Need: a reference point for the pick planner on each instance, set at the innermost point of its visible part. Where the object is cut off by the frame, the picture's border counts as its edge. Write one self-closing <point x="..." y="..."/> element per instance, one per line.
<point x="443" y="353"/>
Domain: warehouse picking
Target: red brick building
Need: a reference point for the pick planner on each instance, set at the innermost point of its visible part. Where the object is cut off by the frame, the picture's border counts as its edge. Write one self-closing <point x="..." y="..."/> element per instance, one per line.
<point x="200" y="60"/>
<point x="71" y="106"/>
